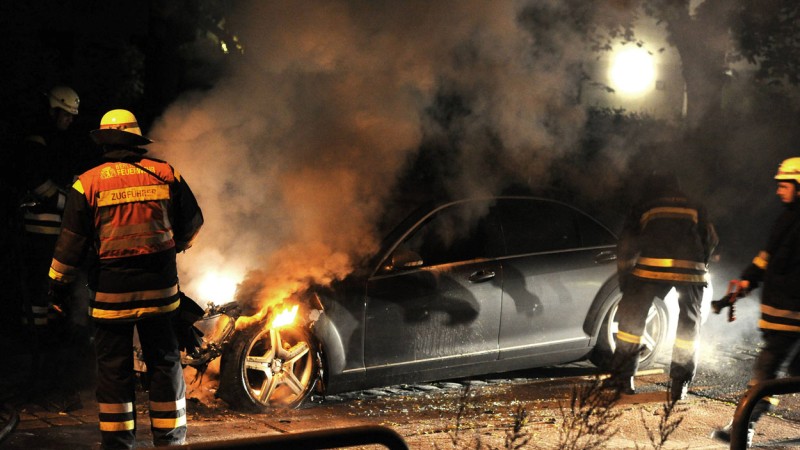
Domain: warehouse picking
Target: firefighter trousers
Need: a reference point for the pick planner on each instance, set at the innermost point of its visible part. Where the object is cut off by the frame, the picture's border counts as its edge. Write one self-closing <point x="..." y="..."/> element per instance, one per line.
<point x="779" y="348"/>
<point x="116" y="382"/>
<point x="632" y="315"/>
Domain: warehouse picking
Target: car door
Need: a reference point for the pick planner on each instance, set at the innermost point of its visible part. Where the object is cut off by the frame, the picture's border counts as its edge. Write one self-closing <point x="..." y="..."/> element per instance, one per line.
<point x="445" y="308"/>
<point x="557" y="260"/>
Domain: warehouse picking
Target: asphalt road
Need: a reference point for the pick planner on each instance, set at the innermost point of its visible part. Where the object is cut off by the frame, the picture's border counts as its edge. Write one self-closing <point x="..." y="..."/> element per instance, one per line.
<point x="472" y="413"/>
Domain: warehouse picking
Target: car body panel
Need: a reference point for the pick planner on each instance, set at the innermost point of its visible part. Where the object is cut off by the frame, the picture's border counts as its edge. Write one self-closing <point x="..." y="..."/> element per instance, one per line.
<point x="422" y="317"/>
<point x="464" y="300"/>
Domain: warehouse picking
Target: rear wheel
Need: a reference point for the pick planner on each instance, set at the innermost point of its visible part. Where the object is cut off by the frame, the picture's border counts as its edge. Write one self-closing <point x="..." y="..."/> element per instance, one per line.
<point x="267" y="368"/>
<point x="653" y="337"/>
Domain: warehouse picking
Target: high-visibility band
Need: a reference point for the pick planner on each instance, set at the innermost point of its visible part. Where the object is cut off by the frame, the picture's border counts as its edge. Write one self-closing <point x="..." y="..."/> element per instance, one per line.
<point x="118" y="125"/>
<point x="46" y="189"/>
<point x="668" y="276"/>
<point x="42" y="217"/>
<point x="65" y="269"/>
<point x="135" y="242"/>
<point x="153" y="294"/>
<point x="61" y="277"/>
<point x="40" y="320"/>
<point x="115" y="408"/>
<point x="39" y="229"/>
<point x="774" y="401"/>
<point x="168" y="406"/>
<point x="127" y="425"/>
<point x="685" y="344"/>
<point x="764" y="325"/>
<point x="668" y="212"/>
<point x="761" y="260"/>
<point x="772" y="311"/>
<point x="667" y="262"/>
<point x="629" y="338"/>
<point x="133" y="194"/>
<point x="118" y="231"/>
<point x="105" y="314"/>
<point x="62" y="201"/>
<point x="167" y="424"/>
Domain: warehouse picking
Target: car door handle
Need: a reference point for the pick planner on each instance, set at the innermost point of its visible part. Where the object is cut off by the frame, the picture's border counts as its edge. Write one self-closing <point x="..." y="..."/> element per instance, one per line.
<point x="605" y="257"/>
<point x="481" y="276"/>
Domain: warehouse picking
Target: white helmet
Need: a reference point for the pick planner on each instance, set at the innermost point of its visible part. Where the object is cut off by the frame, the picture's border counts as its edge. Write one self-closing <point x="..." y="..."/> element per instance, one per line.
<point x="65" y="98"/>
<point x="789" y="170"/>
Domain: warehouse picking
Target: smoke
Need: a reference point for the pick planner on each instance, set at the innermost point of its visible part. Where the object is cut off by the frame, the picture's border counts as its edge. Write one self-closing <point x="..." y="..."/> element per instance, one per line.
<point x="295" y="153"/>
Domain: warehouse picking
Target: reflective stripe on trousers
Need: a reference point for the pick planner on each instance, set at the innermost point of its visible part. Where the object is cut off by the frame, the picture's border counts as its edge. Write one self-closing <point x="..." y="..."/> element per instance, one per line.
<point x="632" y="317"/>
<point x="116" y="381"/>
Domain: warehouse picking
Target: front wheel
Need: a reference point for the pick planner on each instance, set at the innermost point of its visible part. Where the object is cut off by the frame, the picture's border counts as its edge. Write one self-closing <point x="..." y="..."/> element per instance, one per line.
<point x="654" y="335"/>
<point x="267" y="368"/>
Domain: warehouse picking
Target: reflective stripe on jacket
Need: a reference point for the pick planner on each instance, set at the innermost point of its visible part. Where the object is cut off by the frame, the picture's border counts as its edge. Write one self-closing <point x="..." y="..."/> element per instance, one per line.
<point x="127" y="215"/>
<point x="778" y="267"/>
<point x="668" y="238"/>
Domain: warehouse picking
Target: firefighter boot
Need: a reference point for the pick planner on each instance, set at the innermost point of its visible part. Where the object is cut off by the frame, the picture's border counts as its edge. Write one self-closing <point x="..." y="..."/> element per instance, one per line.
<point x="678" y="389"/>
<point x="623" y="384"/>
<point x="724" y="433"/>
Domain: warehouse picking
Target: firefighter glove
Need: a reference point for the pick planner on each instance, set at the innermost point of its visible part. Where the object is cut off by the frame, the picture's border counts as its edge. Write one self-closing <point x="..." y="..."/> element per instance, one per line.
<point x="190" y="338"/>
<point x="58" y="294"/>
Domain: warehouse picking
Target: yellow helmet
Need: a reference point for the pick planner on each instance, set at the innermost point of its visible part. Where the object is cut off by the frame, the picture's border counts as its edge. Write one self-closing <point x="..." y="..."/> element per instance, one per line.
<point x="789" y="170"/>
<point x="65" y="98"/>
<point x="119" y="126"/>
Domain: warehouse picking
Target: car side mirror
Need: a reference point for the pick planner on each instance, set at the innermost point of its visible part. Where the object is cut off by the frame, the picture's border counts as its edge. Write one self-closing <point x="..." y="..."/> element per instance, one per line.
<point x="403" y="258"/>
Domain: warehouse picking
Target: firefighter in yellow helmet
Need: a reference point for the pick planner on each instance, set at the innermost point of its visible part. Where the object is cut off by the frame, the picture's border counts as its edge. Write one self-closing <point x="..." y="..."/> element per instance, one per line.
<point x="666" y="242"/>
<point x="134" y="213"/>
<point x="777" y="268"/>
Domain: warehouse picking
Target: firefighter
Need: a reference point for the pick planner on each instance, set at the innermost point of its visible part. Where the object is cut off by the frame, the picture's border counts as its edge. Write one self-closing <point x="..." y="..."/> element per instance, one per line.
<point x="666" y="242"/>
<point x="135" y="213"/>
<point x="777" y="267"/>
<point x="51" y="160"/>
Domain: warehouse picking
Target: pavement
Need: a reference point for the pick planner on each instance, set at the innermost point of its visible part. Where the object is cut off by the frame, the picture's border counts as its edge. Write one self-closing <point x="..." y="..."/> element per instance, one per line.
<point x="434" y="416"/>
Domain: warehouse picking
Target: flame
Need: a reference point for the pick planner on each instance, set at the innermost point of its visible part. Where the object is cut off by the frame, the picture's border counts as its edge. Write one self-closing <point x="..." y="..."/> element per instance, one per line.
<point x="217" y="287"/>
<point x="285" y="317"/>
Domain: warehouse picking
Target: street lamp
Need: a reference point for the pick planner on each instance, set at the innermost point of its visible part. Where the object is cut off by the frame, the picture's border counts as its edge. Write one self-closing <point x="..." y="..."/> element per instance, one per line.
<point x="632" y="71"/>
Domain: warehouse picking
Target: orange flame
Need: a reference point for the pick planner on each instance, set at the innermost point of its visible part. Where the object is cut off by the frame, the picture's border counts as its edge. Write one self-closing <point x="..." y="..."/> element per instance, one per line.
<point x="286" y="317"/>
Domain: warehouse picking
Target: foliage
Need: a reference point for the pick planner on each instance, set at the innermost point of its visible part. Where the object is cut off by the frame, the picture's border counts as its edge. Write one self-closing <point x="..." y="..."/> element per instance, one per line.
<point x="768" y="34"/>
<point x="588" y="420"/>
<point x="670" y="420"/>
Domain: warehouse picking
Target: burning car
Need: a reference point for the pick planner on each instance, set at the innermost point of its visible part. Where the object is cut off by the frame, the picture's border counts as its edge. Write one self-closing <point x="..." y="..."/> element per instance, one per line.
<point x="468" y="287"/>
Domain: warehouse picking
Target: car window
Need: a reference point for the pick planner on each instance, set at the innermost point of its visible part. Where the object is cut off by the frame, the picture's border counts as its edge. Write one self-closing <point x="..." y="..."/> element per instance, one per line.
<point x="593" y="234"/>
<point x="459" y="232"/>
<point x="531" y="226"/>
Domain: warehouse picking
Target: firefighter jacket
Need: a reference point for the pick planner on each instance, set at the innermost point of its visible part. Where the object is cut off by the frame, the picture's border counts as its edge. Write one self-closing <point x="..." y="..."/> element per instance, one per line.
<point x="51" y="162"/>
<point x="778" y="267"/>
<point x="667" y="238"/>
<point x="135" y="213"/>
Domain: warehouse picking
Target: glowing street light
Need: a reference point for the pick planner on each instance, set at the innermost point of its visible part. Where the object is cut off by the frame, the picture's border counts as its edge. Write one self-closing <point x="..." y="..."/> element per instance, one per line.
<point x="632" y="71"/>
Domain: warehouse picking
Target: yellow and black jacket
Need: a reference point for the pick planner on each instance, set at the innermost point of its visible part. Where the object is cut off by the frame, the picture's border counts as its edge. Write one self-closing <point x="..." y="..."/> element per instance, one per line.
<point x="778" y="267"/>
<point x="135" y="213"/>
<point x="667" y="238"/>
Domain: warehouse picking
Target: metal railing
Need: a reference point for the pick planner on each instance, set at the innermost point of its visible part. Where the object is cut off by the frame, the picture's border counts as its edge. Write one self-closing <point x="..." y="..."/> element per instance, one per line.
<point x="741" y="418"/>
<point x="311" y="440"/>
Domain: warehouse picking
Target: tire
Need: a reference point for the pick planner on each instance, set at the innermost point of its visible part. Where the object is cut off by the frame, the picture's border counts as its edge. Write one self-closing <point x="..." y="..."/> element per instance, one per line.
<point x="655" y="334"/>
<point x="255" y="377"/>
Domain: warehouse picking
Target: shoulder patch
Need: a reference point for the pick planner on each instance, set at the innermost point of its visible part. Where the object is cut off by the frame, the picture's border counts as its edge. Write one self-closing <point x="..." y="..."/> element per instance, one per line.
<point x="78" y="186"/>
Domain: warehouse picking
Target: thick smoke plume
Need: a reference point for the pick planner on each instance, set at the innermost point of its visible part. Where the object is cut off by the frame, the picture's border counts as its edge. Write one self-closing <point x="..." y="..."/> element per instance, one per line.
<point x="296" y="151"/>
